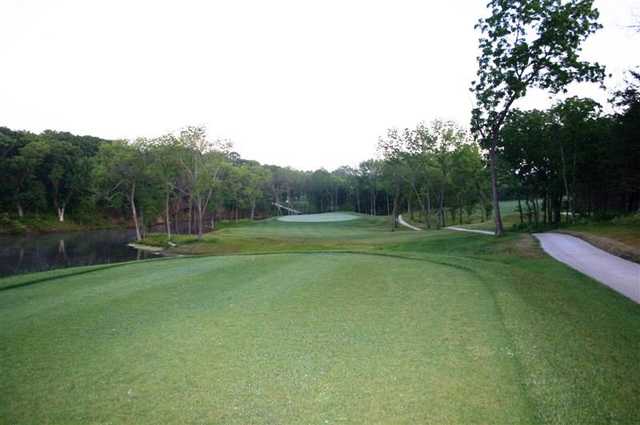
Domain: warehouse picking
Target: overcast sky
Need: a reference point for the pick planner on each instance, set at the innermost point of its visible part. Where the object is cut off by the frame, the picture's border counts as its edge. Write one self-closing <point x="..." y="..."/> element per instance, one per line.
<point x="303" y="83"/>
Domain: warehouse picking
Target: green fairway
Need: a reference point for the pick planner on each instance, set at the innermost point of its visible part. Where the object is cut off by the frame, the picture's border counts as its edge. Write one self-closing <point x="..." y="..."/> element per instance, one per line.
<point x="406" y="327"/>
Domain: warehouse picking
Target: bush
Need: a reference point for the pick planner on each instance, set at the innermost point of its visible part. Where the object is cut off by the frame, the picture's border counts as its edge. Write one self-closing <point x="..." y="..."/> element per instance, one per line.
<point x="627" y="220"/>
<point x="12" y="227"/>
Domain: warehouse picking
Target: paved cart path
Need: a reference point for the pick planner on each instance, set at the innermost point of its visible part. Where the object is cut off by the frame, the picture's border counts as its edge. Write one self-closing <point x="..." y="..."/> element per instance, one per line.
<point x="462" y="229"/>
<point x="619" y="274"/>
<point x="405" y="224"/>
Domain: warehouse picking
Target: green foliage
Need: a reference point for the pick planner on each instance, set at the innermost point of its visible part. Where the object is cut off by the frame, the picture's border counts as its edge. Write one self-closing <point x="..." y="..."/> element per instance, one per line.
<point x="10" y="226"/>
<point x="523" y="44"/>
<point x="530" y="43"/>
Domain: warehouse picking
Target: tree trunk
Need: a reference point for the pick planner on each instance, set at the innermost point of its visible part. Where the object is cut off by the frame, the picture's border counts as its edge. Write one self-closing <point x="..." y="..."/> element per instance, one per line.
<point x="253" y="209"/>
<point x="143" y="230"/>
<point x="388" y="206"/>
<point x="520" y="210"/>
<point x="134" y="213"/>
<point x="373" y="203"/>
<point x="167" y="215"/>
<point x="425" y="219"/>
<point x="61" y="214"/>
<point x="199" y="219"/>
<point x="494" y="186"/>
<point x="394" y="213"/>
<point x="20" y="211"/>
<point x="441" y="215"/>
<point x="565" y="181"/>
<point x="428" y="209"/>
<point x="190" y="215"/>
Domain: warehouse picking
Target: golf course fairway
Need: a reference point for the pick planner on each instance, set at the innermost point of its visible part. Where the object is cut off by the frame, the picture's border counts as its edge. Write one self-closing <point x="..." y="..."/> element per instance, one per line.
<point x="368" y="326"/>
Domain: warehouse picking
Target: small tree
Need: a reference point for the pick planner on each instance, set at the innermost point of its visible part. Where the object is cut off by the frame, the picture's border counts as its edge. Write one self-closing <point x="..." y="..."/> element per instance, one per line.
<point x="524" y="44"/>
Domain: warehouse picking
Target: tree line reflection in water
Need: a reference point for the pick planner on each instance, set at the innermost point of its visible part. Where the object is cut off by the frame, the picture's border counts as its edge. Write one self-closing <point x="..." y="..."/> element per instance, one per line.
<point x="31" y="253"/>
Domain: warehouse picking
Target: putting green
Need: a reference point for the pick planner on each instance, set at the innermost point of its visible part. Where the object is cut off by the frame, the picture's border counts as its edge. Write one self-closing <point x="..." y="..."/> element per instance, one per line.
<point x="319" y="218"/>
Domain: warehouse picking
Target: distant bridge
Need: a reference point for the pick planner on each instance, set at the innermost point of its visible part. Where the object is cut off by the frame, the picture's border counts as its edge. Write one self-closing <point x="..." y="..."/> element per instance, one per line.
<point x="287" y="209"/>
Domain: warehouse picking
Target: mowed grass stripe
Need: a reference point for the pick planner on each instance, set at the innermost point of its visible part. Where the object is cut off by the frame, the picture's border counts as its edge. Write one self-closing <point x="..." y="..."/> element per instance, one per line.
<point x="259" y="339"/>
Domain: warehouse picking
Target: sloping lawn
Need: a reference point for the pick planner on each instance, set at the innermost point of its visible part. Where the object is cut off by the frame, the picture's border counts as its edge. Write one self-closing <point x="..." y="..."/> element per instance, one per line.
<point x="429" y="327"/>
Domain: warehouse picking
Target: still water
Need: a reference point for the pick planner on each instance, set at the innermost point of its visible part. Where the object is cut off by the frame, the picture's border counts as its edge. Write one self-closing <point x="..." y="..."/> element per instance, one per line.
<point x="24" y="254"/>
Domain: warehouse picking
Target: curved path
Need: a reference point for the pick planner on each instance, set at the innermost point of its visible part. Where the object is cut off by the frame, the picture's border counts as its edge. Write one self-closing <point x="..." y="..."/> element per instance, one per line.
<point x="405" y="224"/>
<point x="462" y="229"/>
<point x="618" y="274"/>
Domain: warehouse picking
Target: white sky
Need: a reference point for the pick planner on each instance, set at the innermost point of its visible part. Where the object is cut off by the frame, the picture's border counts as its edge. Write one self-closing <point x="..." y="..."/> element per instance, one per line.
<point x="303" y="83"/>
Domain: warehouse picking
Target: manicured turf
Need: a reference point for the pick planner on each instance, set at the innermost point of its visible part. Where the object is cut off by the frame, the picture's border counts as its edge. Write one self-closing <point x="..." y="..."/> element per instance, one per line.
<point x="422" y="327"/>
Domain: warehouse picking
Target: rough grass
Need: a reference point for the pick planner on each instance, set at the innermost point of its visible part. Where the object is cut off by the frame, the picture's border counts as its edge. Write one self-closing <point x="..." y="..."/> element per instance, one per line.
<point x="421" y="327"/>
<point x="619" y="236"/>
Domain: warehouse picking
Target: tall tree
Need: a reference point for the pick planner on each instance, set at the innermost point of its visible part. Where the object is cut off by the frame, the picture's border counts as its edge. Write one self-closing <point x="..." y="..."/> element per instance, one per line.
<point x="203" y="164"/>
<point x="255" y="183"/>
<point x="525" y="44"/>
<point x="120" y="174"/>
<point x="164" y="152"/>
<point x="19" y="166"/>
<point x="68" y="173"/>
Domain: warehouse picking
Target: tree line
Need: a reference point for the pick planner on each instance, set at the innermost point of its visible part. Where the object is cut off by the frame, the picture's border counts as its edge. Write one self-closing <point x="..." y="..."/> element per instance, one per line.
<point x="186" y="181"/>
<point x="572" y="160"/>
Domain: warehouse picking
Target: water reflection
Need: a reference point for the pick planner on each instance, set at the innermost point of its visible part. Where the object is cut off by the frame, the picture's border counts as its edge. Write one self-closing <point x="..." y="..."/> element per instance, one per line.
<point x="22" y="254"/>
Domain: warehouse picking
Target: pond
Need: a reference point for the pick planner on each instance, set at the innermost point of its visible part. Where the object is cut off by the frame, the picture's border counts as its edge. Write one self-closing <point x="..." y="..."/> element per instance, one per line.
<point x="31" y="253"/>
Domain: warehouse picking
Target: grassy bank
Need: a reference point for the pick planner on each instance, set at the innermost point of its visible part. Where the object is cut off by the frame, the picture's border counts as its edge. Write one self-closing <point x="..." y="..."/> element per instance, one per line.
<point x="407" y="327"/>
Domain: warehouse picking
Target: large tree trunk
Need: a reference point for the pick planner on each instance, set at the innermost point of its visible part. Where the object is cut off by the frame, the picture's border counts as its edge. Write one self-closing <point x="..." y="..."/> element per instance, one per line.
<point x="134" y="213"/>
<point x="253" y="209"/>
<point x="494" y="186"/>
